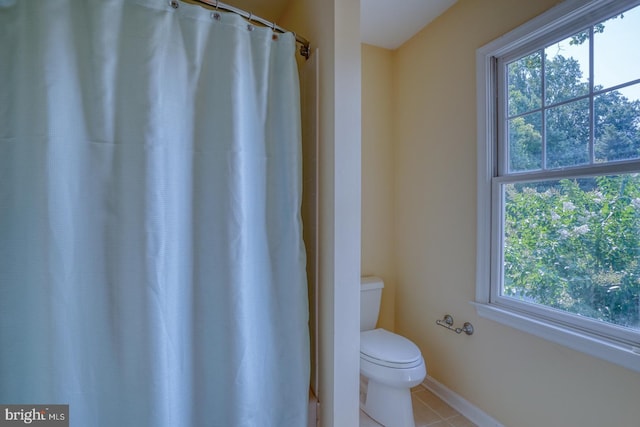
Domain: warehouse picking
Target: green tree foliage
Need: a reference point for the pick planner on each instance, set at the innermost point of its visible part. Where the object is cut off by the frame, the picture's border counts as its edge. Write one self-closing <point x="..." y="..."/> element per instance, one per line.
<point x="617" y="119"/>
<point x="573" y="245"/>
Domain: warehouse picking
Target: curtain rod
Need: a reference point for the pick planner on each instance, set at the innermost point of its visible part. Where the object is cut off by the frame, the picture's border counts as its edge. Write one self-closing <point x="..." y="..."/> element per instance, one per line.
<point x="304" y="43"/>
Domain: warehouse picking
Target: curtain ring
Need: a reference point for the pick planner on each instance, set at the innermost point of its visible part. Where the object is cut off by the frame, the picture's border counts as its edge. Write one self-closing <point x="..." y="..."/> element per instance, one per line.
<point x="273" y="26"/>
<point x="250" y="16"/>
<point x="216" y="4"/>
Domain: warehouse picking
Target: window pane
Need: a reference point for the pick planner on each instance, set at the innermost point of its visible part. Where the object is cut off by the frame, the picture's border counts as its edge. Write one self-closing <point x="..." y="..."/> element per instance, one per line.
<point x="567" y="134"/>
<point x="617" y="128"/>
<point x="566" y="70"/>
<point x="525" y="84"/>
<point x="574" y="245"/>
<point x="525" y="143"/>
<point x="616" y="54"/>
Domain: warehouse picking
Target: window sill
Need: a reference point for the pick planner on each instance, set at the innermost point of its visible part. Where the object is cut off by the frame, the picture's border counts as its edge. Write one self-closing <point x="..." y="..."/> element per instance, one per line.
<point x="594" y="346"/>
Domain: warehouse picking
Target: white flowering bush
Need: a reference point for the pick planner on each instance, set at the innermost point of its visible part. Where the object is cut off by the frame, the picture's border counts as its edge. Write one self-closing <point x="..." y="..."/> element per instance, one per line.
<point x="574" y="245"/>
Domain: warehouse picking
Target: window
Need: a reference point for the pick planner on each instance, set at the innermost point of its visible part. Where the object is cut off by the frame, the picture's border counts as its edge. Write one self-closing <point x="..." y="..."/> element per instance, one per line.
<point x="559" y="178"/>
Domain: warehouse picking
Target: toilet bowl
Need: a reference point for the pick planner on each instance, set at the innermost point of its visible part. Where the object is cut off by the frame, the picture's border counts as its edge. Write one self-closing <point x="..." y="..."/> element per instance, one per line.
<point x="392" y="364"/>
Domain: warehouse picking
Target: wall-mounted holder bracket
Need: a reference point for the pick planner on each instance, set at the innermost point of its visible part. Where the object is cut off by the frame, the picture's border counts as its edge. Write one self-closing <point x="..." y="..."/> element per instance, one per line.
<point x="447" y="322"/>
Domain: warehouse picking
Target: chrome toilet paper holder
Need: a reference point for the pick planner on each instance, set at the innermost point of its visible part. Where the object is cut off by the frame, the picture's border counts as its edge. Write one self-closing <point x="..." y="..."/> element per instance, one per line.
<point x="447" y="322"/>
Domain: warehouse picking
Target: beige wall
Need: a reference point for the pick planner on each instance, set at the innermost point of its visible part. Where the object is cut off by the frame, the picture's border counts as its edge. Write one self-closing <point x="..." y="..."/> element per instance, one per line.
<point x="520" y="380"/>
<point x="333" y="27"/>
<point x="378" y="254"/>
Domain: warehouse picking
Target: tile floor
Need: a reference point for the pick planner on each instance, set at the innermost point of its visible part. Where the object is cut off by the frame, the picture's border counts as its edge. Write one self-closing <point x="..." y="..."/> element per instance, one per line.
<point x="428" y="410"/>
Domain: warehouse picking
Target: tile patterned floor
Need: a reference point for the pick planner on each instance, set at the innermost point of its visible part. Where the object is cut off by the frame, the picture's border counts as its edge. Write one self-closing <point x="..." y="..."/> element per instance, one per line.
<point x="428" y="410"/>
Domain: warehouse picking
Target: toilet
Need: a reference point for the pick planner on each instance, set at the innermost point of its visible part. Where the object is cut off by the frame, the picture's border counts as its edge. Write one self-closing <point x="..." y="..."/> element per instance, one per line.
<point x="391" y="364"/>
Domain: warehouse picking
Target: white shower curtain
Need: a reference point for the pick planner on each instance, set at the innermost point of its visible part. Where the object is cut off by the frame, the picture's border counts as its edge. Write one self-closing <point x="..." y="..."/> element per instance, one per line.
<point x="151" y="259"/>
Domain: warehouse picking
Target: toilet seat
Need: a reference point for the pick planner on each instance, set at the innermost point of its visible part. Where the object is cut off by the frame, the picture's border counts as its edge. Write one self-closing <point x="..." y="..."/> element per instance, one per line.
<point x="385" y="348"/>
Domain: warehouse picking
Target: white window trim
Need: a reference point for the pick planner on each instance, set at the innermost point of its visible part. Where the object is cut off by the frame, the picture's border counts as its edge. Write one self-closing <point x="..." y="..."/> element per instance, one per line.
<point x="572" y="337"/>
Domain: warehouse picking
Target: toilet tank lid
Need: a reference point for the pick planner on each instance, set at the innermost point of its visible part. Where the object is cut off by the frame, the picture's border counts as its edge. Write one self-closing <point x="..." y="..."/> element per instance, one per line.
<point x="371" y="283"/>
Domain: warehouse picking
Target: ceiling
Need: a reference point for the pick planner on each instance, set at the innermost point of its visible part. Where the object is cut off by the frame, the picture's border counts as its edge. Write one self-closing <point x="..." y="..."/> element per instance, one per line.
<point x="390" y="27"/>
<point x="383" y="23"/>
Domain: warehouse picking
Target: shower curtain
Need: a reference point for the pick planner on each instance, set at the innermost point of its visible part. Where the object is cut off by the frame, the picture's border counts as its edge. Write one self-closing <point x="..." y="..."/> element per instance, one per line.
<point x="151" y="258"/>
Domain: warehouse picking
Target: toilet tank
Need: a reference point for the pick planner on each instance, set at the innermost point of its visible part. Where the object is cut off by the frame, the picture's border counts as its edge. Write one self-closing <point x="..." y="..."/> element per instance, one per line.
<point x="370" y="294"/>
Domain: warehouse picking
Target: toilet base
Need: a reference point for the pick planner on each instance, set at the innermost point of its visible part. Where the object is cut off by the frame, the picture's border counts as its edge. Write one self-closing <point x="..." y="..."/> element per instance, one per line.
<point x="390" y="406"/>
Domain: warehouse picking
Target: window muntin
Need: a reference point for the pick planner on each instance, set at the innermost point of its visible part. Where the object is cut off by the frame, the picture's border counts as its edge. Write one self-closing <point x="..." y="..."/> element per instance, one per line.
<point x="568" y="117"/>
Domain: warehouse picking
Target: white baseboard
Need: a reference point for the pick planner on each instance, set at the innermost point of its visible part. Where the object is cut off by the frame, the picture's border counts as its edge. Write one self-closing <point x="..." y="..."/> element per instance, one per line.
<point x="460" y="404"/>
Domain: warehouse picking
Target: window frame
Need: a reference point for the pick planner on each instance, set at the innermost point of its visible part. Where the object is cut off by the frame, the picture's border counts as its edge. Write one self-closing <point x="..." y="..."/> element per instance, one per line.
<point x="579" y="333"/>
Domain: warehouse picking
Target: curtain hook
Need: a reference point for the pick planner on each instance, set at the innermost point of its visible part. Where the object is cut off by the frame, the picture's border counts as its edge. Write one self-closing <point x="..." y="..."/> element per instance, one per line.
<point x="273" y="26"/>
<point x="249" y="26"/>
<point x="216" y="4"/>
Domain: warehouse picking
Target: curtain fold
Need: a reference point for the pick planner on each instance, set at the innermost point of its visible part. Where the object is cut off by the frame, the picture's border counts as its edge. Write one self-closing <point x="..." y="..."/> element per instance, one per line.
<point x="152" y="269"/>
